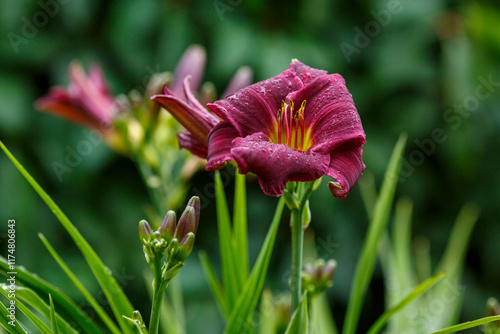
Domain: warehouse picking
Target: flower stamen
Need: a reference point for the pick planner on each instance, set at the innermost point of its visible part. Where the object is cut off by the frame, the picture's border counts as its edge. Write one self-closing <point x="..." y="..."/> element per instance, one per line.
<point x="294" y="126"/>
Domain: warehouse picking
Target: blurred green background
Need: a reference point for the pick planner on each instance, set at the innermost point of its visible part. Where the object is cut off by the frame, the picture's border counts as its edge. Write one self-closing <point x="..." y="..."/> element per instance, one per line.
<point x="424" y="68"/>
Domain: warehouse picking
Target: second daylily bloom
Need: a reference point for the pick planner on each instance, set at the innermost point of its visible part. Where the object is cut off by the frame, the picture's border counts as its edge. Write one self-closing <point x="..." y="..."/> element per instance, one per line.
<point x="87" y="99"/>
<point x="188" y="111"/>
<point x="297" y="126"/>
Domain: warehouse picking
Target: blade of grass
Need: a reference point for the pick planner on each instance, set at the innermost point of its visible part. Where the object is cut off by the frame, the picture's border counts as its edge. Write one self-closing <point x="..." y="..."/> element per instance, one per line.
<point x="401" y="240"/>
<point x="30" y="297"/>
<point x="118" y="302"/>
<point x="213" y="283"/>
<point x="453" y="260"/>
<point x="14" y="327"/>
<point x="44" y="329"/>
<point x="252" y="290"/>
<point x="299" y="324"/>
<point x="53" y="319"/>
<point x="457" y="244"/>
<point x="419" y="290"/>
<point x="95" y="305"/>
<point x="228" y="267"/>
<point x="367" y="260"/>
<point x="467" y="325"/>
<point x="321" y="316"/>
<point x="267" y="319"/>
<point x="42" y="287"/>
<point x="240" y="237"/>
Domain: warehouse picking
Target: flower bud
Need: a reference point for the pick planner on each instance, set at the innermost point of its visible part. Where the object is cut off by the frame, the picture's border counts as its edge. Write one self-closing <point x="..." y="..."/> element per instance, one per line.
<point x="194" y="202"/>
<point x="492" y="307"/>
<point x="172" y="249"/>
<point x="318" y="277"/>
<point x="167" y="228"/>
<point x="187" y="223"/>
<point x="186" y="246"/>
<point x="145" y="231"/>
<point x="136" y="315"/>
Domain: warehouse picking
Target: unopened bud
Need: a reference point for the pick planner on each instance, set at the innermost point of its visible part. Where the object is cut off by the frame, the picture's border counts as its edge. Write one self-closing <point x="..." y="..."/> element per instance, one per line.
<point x="167" y="228"/>
<point x="318" y="277"/>
<point x="187" y="223"/>
<point x="194" y="202"/>
<point x="186" y="246"/>
<point x="492" y="307"/>
<point x="145" y="231"/>
<point x="172" y="248"/>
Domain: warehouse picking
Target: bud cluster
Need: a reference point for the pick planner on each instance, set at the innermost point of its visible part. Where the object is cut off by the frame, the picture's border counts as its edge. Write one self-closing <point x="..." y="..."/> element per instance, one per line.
<point x="318" y="276"/>
<point x="173" y="239"/>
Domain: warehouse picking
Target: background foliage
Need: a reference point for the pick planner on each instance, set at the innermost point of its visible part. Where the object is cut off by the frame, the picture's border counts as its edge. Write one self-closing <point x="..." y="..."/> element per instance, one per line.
<point x="412" y="75"/>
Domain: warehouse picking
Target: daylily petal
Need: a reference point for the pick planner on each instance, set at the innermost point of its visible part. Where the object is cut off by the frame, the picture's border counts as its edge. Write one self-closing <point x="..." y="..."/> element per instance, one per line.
<point x="276" y="164"/>
<point x="329" y="113"/>
<point x="304" y="72"/>
<point x="192" y="63"/>
<point x="195" y="120"/>
<point x="242" y="78"/>
<point x="189" y="142"/>
<point x="254" y="108"/>
<point x="219" y="145"/>
<point x="59" y="103"/>
<point x="346" y="165"/>
<point x="90" y="96"/>
<point x="96" y="77"/>
<point x="206" y="117"/>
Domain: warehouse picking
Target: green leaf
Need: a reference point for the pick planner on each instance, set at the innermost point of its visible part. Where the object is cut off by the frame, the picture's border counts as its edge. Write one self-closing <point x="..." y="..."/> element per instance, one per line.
<point x="367" y="260"/>
<point x="467" y="325"/>
<point x="454" y="254"/>
<point x="321" y="316"/>
<point x="299" y="324"/>
<point x="401" y="237"/>
<point x="213" y="283"/>
<point x="53" y="319"/>
<point x="176" y="304"/>
<point x="118" y="302"/>
<point x="240" y="240"/>
<point x="36" y="302"/>
<point x="419" y="290"/>
<point x="4" y="321"/>
<point x="44" y="329"/>
<point x="95" y="305"/>
<point x="452" y="262"/>
<point x="229" y="272"/>
<point x="267" y="319"/>
<point x="252" y="290"/>
<point x="42" y="287"/>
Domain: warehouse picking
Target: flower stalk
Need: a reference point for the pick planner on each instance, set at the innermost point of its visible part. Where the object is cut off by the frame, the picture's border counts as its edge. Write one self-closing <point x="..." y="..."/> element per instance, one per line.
<point x="297" y="197"/>
<point x="166" y="250"/>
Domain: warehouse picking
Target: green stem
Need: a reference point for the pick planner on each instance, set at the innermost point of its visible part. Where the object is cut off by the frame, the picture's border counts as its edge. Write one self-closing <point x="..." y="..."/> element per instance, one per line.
<point x="154" y="321"/>
<point x="297" y="254"/>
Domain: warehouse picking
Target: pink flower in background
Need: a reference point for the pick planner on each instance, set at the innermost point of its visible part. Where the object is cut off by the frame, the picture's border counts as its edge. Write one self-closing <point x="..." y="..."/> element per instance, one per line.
<point x="87" y="100"/>
<point x="297" y="126"/>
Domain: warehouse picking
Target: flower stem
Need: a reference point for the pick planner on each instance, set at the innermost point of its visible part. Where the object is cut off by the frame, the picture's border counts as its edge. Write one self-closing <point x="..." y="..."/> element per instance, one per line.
<point x="297" y="254"/>
<point x="158" y="290"/>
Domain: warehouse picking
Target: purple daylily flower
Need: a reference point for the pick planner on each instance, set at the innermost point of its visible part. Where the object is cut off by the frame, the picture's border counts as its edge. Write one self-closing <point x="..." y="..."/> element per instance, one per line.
<point x="197" y="119"/>
<point x="192" y="63"/>
<point x="87" y="100"/>
<point x="297" y="126"/>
